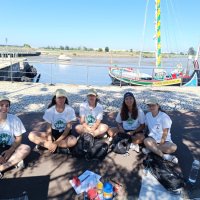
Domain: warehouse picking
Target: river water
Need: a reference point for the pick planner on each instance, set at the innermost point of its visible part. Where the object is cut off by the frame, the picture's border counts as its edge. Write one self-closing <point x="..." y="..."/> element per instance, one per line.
<point x="93" y="70"/>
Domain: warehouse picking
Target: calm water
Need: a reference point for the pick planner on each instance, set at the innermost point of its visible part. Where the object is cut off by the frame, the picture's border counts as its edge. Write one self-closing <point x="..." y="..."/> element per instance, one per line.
<point x="91" y="71"/>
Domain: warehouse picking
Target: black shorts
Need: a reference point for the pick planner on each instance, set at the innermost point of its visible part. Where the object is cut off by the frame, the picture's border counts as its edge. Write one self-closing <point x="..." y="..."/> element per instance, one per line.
<point x="56" y="134"/>
<point x="3" y="148"/>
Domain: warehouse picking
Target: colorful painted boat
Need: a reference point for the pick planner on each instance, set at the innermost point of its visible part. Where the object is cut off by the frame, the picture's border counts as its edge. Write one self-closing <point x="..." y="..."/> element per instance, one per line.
<point x="125" y="76"/>
<point x="130" y="76"/>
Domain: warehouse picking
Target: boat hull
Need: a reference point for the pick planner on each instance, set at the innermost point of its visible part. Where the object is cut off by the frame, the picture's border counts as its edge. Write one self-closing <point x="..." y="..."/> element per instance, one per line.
<point x="118" y="79"/>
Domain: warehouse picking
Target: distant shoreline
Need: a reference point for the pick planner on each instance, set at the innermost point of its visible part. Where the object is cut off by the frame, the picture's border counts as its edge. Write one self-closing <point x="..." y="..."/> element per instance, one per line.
<point x="120" y="54"/>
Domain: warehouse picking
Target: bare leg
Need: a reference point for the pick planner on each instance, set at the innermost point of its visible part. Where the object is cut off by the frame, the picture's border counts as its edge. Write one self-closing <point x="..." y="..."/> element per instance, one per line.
<point x="80" y="129"/>
<point x="102" y="128"/>
<point x="113" y="131"/>
<point x="138" y="138"/>
<point x="151" y="144"/>
<point x="20" y="153"/>
<point x="40" y="138"/>
<point x="69" y="141"/>
<point x="168" y="147"/>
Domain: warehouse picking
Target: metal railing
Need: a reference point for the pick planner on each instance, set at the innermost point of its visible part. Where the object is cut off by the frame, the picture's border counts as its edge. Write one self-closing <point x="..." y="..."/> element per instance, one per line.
<point x="51" y="71"/>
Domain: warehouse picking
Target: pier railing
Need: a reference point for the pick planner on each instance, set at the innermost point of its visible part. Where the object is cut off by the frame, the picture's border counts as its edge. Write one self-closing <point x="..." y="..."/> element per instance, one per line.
<point x="54" y="71"/>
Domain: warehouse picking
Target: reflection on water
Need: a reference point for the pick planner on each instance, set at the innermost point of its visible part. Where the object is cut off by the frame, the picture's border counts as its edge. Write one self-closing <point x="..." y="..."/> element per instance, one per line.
<point x="93" y="70"/>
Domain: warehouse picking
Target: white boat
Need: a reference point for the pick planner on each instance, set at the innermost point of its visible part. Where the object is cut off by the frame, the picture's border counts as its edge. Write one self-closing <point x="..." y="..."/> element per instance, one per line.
<point x="64" y="58"/>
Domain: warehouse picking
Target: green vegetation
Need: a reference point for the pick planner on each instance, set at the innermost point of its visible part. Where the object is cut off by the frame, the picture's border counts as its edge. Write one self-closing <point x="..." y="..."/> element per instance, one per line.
<point x="191" y="51"/>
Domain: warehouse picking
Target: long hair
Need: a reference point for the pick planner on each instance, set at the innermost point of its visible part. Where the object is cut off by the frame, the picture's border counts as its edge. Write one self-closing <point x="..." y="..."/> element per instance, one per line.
<point x="160" y="109"/>
<point x="53" y="101"/>
<point x="124" y="111"/>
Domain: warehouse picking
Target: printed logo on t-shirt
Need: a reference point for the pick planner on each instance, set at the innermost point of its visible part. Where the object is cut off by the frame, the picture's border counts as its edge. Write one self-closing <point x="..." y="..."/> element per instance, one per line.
<point x="4" y="138"/>
<point x="90" y="120"/>
<point x="130" y="121"/>
<point x="60" y="124"/>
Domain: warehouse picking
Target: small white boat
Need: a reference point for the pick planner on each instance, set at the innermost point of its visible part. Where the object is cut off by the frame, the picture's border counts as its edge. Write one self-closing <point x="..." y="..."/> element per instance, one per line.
<point x="64" y="58"/>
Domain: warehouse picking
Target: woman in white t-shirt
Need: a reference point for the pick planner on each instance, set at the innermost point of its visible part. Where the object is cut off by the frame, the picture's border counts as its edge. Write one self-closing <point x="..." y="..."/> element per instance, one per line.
<point x="130" y="120"/>
<point x="59" y="117"/>
<point x="12" y="152"/>
<point x="159" y="137"/>
<point x="91" y="114"/>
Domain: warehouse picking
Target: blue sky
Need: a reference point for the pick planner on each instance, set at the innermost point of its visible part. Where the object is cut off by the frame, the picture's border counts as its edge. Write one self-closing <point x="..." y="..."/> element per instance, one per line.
<point x="117" y="24"/>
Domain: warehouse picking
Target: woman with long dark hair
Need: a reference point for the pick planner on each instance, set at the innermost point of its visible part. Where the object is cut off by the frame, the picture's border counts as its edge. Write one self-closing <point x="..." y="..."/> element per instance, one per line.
<point x="91" y="114"/>
<point x="12" y="151"/>
<point x="130" y="120"/>
<point x="59" y="117"/>
<point x="159" y="137"/>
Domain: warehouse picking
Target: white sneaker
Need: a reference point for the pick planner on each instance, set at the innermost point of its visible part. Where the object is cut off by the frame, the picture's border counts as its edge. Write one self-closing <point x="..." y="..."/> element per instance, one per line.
<point x="110" y="139"/>
<point x="170" y="158"/>
<point x="145" y="151"/>
<point x="135" y="147"/>
<point x="20" y="165"/>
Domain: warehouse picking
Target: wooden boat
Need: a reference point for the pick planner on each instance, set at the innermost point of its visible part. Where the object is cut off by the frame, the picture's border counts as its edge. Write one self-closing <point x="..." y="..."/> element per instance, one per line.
<point x="130" y="76"/>
<point x="125" y="76"/>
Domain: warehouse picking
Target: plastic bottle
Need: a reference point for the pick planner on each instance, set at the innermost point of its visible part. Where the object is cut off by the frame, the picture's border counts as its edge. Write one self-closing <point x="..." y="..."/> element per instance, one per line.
<point x="194" y="172"/>
<point x="99" y="187"/>
<point x="107" y="191"/>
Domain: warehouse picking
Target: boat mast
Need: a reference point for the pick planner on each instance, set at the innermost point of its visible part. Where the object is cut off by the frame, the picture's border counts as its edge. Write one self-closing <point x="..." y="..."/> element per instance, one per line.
<point x="158" y="34"/>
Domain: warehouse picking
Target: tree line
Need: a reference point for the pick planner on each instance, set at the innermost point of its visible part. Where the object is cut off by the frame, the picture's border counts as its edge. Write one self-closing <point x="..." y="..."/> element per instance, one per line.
<point x="106" y="49"/>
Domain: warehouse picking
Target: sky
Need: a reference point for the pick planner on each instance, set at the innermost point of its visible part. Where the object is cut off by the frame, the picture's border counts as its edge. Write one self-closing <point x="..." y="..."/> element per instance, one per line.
<point x="117" y="24"/>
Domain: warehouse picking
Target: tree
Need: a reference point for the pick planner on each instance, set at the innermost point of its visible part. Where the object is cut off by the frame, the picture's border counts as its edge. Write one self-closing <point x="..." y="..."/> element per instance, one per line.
<point x="66" y="47"/>
<point x="62" y="48"/>
<point x="131" y="50"/>
<point x="27" y="46"/>
<point x="191" y="51"/>
<point x="106" y="49"/>
<point x="100" y="50"/>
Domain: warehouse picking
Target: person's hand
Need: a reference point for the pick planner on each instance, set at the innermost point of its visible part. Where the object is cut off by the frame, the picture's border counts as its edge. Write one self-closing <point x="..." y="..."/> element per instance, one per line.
<point x="52" y="147"/>
<point x="7" y="154"/>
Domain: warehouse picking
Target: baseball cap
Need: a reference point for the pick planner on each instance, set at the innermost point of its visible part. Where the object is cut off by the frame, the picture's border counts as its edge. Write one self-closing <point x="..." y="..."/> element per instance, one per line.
<point x="128" y="94"/>
<point x="152" y="101"/>
<point x="92" y="91"/>
<point x="60" y="93"/>
<point x="4" y="98"/>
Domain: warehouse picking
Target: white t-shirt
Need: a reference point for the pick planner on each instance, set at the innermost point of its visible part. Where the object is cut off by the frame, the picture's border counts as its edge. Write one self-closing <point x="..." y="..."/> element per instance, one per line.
<point x="58" y="120"/>
<point x="10" y="128"/>
<point x="91" y="114"/>
<point x="131" y="124"/>
<point x="157" y="124"/>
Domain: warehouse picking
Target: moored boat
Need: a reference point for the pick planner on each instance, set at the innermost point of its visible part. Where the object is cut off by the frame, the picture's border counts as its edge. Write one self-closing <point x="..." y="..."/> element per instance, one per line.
<point x="64" y="58"/>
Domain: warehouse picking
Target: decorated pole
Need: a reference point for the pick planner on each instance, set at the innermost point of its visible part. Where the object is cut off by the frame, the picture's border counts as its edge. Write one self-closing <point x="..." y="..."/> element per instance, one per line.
<point x="158" y="35"/>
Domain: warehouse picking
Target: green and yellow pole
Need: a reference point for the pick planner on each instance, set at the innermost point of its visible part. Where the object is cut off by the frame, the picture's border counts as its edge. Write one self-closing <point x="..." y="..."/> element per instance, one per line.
<point x="158" y="36"/>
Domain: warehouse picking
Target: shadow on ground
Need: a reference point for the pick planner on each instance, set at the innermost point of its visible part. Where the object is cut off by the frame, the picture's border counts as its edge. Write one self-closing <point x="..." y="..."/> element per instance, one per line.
<point x="57" y="170"/>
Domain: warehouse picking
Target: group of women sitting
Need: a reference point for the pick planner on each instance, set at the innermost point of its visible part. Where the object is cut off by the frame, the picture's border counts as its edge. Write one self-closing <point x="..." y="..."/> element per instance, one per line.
<point x="60" y="117"/>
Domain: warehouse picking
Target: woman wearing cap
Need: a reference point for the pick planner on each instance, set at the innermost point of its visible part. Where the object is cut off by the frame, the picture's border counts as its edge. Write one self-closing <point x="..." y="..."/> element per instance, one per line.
<point x="59" y="117"/>
<point x="159" y="137"/>
<point x="91" y="114"/>
<point x="131" y="120"/>
<point x="12" y="152"/>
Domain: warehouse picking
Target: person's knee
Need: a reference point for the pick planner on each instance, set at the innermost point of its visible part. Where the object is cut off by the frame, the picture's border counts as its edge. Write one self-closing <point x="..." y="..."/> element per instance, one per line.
<point x="78" y="128"/>
<point x="174" y="147"/>
<point x="104" y="128"/>
<point x="31" y="136"/>
<point x="147" y="142"/>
